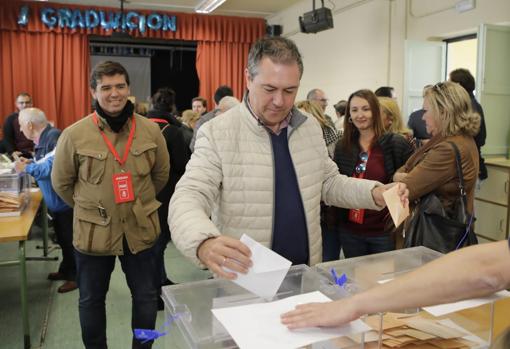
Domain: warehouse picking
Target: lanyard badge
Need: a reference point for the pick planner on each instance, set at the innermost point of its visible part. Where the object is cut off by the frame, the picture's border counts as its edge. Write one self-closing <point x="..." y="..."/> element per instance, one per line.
<point x="123" y="187"/>
<point x="356" y="215"/>
<point x="122" y="182"/>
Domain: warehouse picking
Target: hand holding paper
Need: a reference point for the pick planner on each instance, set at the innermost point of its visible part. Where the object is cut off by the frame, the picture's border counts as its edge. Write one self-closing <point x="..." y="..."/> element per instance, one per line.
<point x="267" y="273"/>
<point x="398" y="211"/>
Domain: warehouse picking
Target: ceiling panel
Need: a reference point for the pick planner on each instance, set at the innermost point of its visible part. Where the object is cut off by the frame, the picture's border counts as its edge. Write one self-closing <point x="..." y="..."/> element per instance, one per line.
<point x="250" y="8"/>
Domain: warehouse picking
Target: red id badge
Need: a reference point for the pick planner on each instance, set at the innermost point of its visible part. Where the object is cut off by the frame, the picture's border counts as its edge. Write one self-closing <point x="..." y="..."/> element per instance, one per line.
<point x="123" y="187"/>
<point x="356" y="215"/>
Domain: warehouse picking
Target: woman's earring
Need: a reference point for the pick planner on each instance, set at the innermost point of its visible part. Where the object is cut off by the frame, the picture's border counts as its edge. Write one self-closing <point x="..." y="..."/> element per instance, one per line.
<point x="350" y="119"/>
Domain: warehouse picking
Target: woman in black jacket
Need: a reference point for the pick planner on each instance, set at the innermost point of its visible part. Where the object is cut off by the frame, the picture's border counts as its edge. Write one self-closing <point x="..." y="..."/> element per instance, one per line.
<point x="366" y="151"/>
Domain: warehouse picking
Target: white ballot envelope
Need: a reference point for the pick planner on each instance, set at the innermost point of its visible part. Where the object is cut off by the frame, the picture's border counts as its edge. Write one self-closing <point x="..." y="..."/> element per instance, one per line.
<point x="267" y="273"/>
<point x="397" y="211"/>
<point x="256" y="326"/>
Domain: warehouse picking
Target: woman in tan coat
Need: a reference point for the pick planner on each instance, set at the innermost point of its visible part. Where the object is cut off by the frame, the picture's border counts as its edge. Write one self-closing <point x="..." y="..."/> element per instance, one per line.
<point x="449" y="118"/>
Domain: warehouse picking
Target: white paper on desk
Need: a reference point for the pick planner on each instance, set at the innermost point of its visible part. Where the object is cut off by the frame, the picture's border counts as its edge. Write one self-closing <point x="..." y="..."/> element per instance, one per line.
<point x="397" y="211"/>
<point x="468" y="335"/>
<point x="267" y="273"/>
<point x="258" y="325"/>
<point x="439" y="310"/>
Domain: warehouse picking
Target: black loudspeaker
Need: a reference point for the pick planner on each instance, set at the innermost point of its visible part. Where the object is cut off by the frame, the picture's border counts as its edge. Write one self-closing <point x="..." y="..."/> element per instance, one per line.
<point x="316" y="20"/>
<point x="274" y="30"/>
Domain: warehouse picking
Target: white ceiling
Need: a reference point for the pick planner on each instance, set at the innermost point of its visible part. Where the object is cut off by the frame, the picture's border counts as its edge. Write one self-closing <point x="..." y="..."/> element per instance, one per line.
<point x="246" y="8"/>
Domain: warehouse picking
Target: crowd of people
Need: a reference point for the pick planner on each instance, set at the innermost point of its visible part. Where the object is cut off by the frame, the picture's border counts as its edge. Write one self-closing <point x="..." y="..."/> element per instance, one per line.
<point x="304" y="183"/>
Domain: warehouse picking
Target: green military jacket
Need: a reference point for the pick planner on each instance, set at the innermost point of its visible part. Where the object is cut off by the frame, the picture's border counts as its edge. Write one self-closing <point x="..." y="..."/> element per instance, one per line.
<point x="82" y="176"/>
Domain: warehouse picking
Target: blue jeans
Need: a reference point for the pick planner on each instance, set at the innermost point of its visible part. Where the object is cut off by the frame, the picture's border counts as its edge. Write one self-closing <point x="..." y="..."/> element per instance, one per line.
<point x="355" y="245"/>
<point x="93" y="278"/>
<point x="331" y="244"/>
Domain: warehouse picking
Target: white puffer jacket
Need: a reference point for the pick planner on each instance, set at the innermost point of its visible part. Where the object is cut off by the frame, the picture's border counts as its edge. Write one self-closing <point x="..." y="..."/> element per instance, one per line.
<point x="231" y="172"/>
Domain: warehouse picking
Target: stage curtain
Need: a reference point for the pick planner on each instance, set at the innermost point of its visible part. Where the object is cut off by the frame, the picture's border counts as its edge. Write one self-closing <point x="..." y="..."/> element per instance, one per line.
<point x="51" y="67"/>
<point x="53" y="63"/>
<point x="229" y="61"/>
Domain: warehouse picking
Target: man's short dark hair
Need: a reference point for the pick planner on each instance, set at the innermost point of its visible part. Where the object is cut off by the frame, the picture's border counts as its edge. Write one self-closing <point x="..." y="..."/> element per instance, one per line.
<point x="201" y="100"/>
<point x="24" y="94"/>
<point x="464" y="78"/>
<point x="278" y="49"/>
<point x="221" y="92"/>
<point x="384" y="91"/>
<point x="164" y="100"/>
<point x="340" y="107"/>
<point x="108" y="68"/>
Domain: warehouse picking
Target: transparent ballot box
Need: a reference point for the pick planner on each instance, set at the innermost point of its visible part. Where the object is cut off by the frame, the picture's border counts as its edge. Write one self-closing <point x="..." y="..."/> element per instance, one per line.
<point x="411" y="328"/>
<point x="14" y="193"/>
<point x="193" y="325"/>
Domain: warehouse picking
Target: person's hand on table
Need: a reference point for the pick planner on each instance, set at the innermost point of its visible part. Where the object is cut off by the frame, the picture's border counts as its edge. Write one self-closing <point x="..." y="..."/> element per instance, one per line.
<point x="328" y="314"/>
<point x="19" y="166"/>
<point x="25" y="160"/>
<point x="223" y="251"/>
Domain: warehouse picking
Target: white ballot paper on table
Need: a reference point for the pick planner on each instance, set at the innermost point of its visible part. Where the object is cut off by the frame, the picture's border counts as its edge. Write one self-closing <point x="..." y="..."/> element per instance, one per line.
<point x="258" y="325"/>
<point x="267" y="273"/>
<point x="443" y="309"/>
<point x="397" y="211"/>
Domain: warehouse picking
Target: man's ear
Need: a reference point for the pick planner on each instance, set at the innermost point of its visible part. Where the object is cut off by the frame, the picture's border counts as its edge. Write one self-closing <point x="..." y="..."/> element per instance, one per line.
<point x="247" y="77"/>
<point x="92" y="92"/>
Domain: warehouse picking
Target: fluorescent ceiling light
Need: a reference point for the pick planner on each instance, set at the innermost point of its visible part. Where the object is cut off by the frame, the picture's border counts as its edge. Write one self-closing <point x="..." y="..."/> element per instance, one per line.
<point x="208" y="6"/>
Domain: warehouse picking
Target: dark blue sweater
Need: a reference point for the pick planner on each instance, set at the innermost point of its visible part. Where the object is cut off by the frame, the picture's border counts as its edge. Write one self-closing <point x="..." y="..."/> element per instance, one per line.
<point x="290" y="235"/>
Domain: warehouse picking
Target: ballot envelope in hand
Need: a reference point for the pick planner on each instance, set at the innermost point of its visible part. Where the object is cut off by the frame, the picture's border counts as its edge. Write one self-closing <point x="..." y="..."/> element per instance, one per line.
<point x="267" y="273"/>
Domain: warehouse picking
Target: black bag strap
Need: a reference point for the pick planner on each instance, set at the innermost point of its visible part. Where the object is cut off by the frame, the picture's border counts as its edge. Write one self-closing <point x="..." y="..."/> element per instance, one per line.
<point x="460" y="174"/>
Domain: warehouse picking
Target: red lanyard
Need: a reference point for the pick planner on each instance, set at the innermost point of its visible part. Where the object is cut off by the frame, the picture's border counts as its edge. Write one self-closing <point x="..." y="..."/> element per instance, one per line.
<point x="163" y="121"/>
<point x="110" y="145"/>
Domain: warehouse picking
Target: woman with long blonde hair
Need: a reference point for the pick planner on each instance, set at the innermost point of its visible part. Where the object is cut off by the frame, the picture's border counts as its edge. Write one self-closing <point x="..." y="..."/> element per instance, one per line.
<point x="329" y="131"/>
<point x="392" y="118"/>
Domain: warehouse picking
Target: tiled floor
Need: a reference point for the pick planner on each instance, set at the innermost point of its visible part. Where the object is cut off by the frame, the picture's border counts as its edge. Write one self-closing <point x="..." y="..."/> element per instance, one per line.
<point x="54" y="322"/>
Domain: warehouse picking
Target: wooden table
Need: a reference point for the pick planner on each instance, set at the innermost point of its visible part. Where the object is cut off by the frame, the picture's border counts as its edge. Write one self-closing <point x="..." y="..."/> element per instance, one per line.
<point x="14" y="229"/>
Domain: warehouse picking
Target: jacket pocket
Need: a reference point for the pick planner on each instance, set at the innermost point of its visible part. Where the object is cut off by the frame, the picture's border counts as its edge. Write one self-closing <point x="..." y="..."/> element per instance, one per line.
<point x="92" y="233"/>
<point x="144" y="158"/>
<point x="147" y="220"/>
<point x="92" y="165"/>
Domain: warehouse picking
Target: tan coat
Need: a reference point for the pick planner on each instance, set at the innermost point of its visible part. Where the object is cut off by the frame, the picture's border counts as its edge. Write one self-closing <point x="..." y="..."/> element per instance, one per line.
<point x="432" y="169"/>
<point x="231" y="177"/>
<point x="82" y="176"/>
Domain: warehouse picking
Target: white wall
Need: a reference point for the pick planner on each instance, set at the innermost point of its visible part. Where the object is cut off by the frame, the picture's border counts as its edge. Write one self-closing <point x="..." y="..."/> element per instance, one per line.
<point x="351" y="56"/>
<point x="438" y="18"/>
<point x="366" y="47"/>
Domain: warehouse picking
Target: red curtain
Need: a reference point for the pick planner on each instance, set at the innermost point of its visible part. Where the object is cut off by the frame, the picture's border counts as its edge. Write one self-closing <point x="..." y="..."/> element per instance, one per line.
<point x="230" y="61"/>
<point x="52" y="67"/>
<point x="53" y="64"/>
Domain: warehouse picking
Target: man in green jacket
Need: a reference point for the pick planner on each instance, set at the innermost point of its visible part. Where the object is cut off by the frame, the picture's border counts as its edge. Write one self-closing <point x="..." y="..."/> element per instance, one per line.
<point x="109" y="166"/>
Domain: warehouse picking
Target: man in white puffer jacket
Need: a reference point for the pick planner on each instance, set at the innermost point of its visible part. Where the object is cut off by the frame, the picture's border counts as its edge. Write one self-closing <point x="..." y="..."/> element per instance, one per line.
<point x="262" y="168"/>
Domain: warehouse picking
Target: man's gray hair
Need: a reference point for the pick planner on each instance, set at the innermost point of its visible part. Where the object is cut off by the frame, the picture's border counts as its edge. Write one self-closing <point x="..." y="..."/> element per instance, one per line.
<point x="312" y="94"/>
<point x="278" y="49"/>
<point x="227" y="102"/>
<point x="34" y="115"/>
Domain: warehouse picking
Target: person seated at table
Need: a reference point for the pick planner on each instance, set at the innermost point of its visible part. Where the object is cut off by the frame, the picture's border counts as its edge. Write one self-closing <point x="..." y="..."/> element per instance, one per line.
<point x="35" y="126"/>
